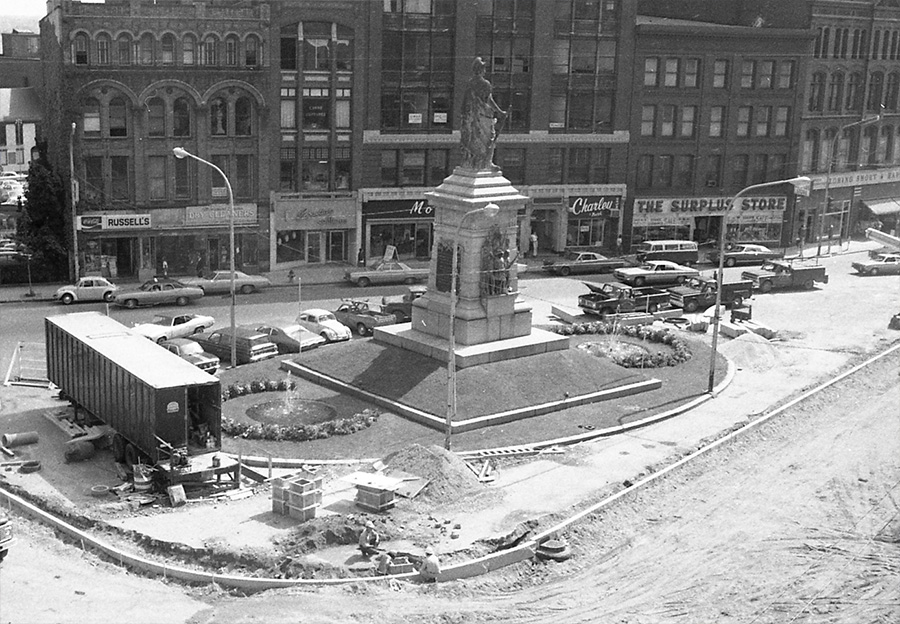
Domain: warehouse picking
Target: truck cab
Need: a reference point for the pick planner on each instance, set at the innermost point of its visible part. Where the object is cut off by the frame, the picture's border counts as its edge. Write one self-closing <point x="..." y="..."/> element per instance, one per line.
<point x="778" y="274"/>
<point x="700" y="292"/>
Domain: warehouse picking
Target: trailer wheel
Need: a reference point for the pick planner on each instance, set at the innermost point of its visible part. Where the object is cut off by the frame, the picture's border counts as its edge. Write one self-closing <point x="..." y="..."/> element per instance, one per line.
<point x="808" y="284"/>
<point x="118" y="448"/>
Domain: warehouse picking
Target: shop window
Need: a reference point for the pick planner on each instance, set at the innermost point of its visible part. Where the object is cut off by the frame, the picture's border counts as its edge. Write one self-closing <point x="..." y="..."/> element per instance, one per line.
<point x="156" y="117"/>
<point x="104" y="44"/>
<point x="585" y="232"/>
<point x="243" y="114"/>
<point x="91" y="119"/>
<point x="314" y="165"/>
<point x="80" y="49"/>
<point x="251" y="51"/>
<point x="720" y="74"/>
<point x="342" y="168"/>
<point x="335" y="246"/>
<point x="188" y="49"/>
<point x="287" y="171"/>
<point x="218" y="117"/>
<point x="389" y="169"/>
<point x="156" y="177"/>
<point x="167" y="50"/>
<point x="288" y="109"/>
<point x="183" y="186"/>
<point x="118" y="124"/>
<point x="123" y="50"/>
<point x="316" y="109"/>
<point x="316" y="46"/>
<point x="92" y="190"/>
<point x="413" y="109"/>
<point x="120" y="183"/>
<point x="243" y="176"/>
<point x="231" y="51"/>
<point x="181" y="117"/>
<point x="291" y="246"/>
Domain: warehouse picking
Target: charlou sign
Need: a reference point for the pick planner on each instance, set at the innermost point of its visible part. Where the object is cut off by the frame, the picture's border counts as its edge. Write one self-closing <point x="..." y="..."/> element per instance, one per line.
<point x="594" y="205"/>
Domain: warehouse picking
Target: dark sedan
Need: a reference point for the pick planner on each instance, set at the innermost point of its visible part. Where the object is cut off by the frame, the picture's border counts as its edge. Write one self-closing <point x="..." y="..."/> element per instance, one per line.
<point x="582" y="262"/>
<point x="745" y="254"/>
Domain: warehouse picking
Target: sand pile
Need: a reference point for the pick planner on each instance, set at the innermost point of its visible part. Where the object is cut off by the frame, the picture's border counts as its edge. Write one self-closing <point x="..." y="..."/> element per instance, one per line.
<point x="751" y="351"/>
<point x="448" y="474"/>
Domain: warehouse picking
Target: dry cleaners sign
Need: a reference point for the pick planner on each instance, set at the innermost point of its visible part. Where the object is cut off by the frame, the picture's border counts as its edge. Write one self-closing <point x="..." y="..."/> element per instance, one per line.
<point x="117" y="222"/>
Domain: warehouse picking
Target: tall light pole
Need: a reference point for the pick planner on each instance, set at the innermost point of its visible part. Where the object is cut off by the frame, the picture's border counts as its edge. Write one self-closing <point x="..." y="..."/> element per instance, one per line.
<point x="490" y="211"/>
<point x="180" y="152"/>
<point x="796" y="182"/>
<point x="826" y="203"/>
<point x="73" y="188"/>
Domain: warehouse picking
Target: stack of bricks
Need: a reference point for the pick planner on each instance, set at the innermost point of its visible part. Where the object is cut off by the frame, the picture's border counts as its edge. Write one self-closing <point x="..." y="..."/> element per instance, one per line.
<point x="297" y="496"/>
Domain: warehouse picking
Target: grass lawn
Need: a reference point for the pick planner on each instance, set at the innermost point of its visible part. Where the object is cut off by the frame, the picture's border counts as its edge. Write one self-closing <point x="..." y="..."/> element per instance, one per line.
<point x="422" y="383"/>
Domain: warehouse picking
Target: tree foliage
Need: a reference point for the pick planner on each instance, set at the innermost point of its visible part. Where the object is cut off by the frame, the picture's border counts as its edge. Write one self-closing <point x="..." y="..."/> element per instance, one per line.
<point x="43" y="225"/>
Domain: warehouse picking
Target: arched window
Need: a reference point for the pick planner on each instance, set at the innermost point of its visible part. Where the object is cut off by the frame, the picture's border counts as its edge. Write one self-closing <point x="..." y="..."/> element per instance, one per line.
<point x="90" y="120"/>
<point x="147" y="49"/>
<point x="892" y="93"/>
<point x="853" y="99"/>
<point x="188" y="49"/>
<point x="869" y="153"/>
<point x="317" y="46"/>
<point x="231" y="51"/>
<point x="829" y="148"/>
<point x="886" y="145"/>
<point x="251" y="52"/>
<point x="895" y="151"/>
<point x="243" y="114"/>
<point x="123" y="49"/>
<point x="817" y="92"/>
<point x="118" y="118"/>
<point x="876" y="88"/>
<point x="218" y="117"/>
<point x="80" y="49"/>
<point x="836" y="91"/>
<point x="209" y="51"/>
<point x="104" y="45"/>
<point x="181" y="117"/>
<point x="811" y="150"/>
<point x="167" y="50"/>
<point x="156" y="117"/>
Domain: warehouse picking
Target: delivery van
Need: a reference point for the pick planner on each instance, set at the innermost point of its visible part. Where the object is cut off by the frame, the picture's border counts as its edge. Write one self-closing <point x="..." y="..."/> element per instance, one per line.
<point x="679" y="251"/>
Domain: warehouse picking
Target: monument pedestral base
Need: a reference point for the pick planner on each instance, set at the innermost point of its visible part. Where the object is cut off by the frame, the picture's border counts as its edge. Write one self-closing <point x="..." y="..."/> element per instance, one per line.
<point x="476" y="321"/>
<point x="531" y="343"/>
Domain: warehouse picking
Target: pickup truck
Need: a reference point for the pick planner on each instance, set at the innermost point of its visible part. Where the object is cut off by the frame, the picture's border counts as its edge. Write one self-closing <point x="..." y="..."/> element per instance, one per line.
<point x="778" y="274"/>
<point x="361" y="317"/>
<point x="401" y="305"/>
<point x="700" y="293"/>
<point x="615" y="298"/>
<point x="6" y="535"/>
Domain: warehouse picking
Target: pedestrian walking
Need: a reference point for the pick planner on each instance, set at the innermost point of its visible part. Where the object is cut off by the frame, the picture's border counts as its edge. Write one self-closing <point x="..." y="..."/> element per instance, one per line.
<point x="619" y="245"/>
<point x="534" y="244"/>
<point x="165" y="267"/>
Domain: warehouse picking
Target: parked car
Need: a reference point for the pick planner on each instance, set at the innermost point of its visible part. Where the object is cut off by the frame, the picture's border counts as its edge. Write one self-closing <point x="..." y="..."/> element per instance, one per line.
<point x="700" y="292"/>
<point x="325" y="324"/>
<point x="362" y="317"/>
<point x="220" y="282"/>
<point x="168" y="326"/>
<point x="616" y="298"/>
<point x="6" y="534"/>
<point x="655" y="272"/>
<point x="386" y="272"/>
<point x="582" y="262"/>
<point x="745" y="254"/>
<point x="13" y="175"/>
<point x="880" y="264"/>
<point x="289" y="337"/>
<point x="155" y="292"/>
<point x="401" y="305"/>
<point x="86" y="289"/>
<point x="251" y="345"/>
<point x="681" y="251"/>
<point x="192" y="352"/>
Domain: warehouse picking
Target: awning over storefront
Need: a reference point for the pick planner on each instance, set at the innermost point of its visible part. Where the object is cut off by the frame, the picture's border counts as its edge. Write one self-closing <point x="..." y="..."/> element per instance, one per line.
<point x="883" y="207"/>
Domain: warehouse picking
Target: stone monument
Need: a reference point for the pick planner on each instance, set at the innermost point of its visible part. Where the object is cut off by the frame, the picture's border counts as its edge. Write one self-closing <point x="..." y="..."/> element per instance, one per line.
<point x="475" y="211"/>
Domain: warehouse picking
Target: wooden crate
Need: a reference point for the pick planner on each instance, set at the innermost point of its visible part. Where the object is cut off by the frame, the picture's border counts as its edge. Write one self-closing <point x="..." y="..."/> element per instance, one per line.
<point x="374" y="499"/>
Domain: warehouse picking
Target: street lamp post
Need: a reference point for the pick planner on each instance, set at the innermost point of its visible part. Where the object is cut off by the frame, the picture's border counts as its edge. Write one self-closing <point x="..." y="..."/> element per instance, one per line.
<point x="180" y="152"/>
<point x="73" y="188"/>
<point x="797" y="181"/>
<point x="490" y="211"/>
<point x="826" y="203"/>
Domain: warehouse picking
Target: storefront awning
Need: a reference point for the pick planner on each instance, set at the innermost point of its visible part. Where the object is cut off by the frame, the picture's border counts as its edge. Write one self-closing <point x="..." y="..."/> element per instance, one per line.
<point x="883" y="207"/>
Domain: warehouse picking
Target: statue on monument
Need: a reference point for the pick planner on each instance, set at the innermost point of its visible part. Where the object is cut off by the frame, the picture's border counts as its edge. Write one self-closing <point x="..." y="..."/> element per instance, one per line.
<point x="478" y="131"/>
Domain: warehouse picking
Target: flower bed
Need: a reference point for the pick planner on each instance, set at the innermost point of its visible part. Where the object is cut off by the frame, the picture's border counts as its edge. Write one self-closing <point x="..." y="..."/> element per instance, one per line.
<point x="679" y="353"/>
<point x="289" y="433"/>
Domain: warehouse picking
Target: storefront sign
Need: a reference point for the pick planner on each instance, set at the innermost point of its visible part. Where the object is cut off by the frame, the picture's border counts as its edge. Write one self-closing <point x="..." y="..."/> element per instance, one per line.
<point x="856" y="178"/>
<point x="219" y="214"/>
<point x="114" y="222"/>
<point x="702" y="206"/>
<point x="314" y="214"/>
<point x="399" y="209"/>
<point x="594" y="205"/>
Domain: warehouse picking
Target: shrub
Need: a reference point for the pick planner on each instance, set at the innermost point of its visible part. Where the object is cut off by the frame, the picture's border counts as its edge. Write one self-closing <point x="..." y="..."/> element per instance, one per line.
<point x="300" y="432"/>
<point x="661" y="335"/>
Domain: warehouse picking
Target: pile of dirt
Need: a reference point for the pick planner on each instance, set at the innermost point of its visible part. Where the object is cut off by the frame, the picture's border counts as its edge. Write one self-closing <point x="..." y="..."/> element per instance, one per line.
<point x="318" y="533"/>
<point x="449" y="477"/>
<point x="751" y="352"/>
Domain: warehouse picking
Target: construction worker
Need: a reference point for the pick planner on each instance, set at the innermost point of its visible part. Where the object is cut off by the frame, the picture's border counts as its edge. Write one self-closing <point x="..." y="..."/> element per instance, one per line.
<point x="369" y="540"/>
<point x="431" y="567"/>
